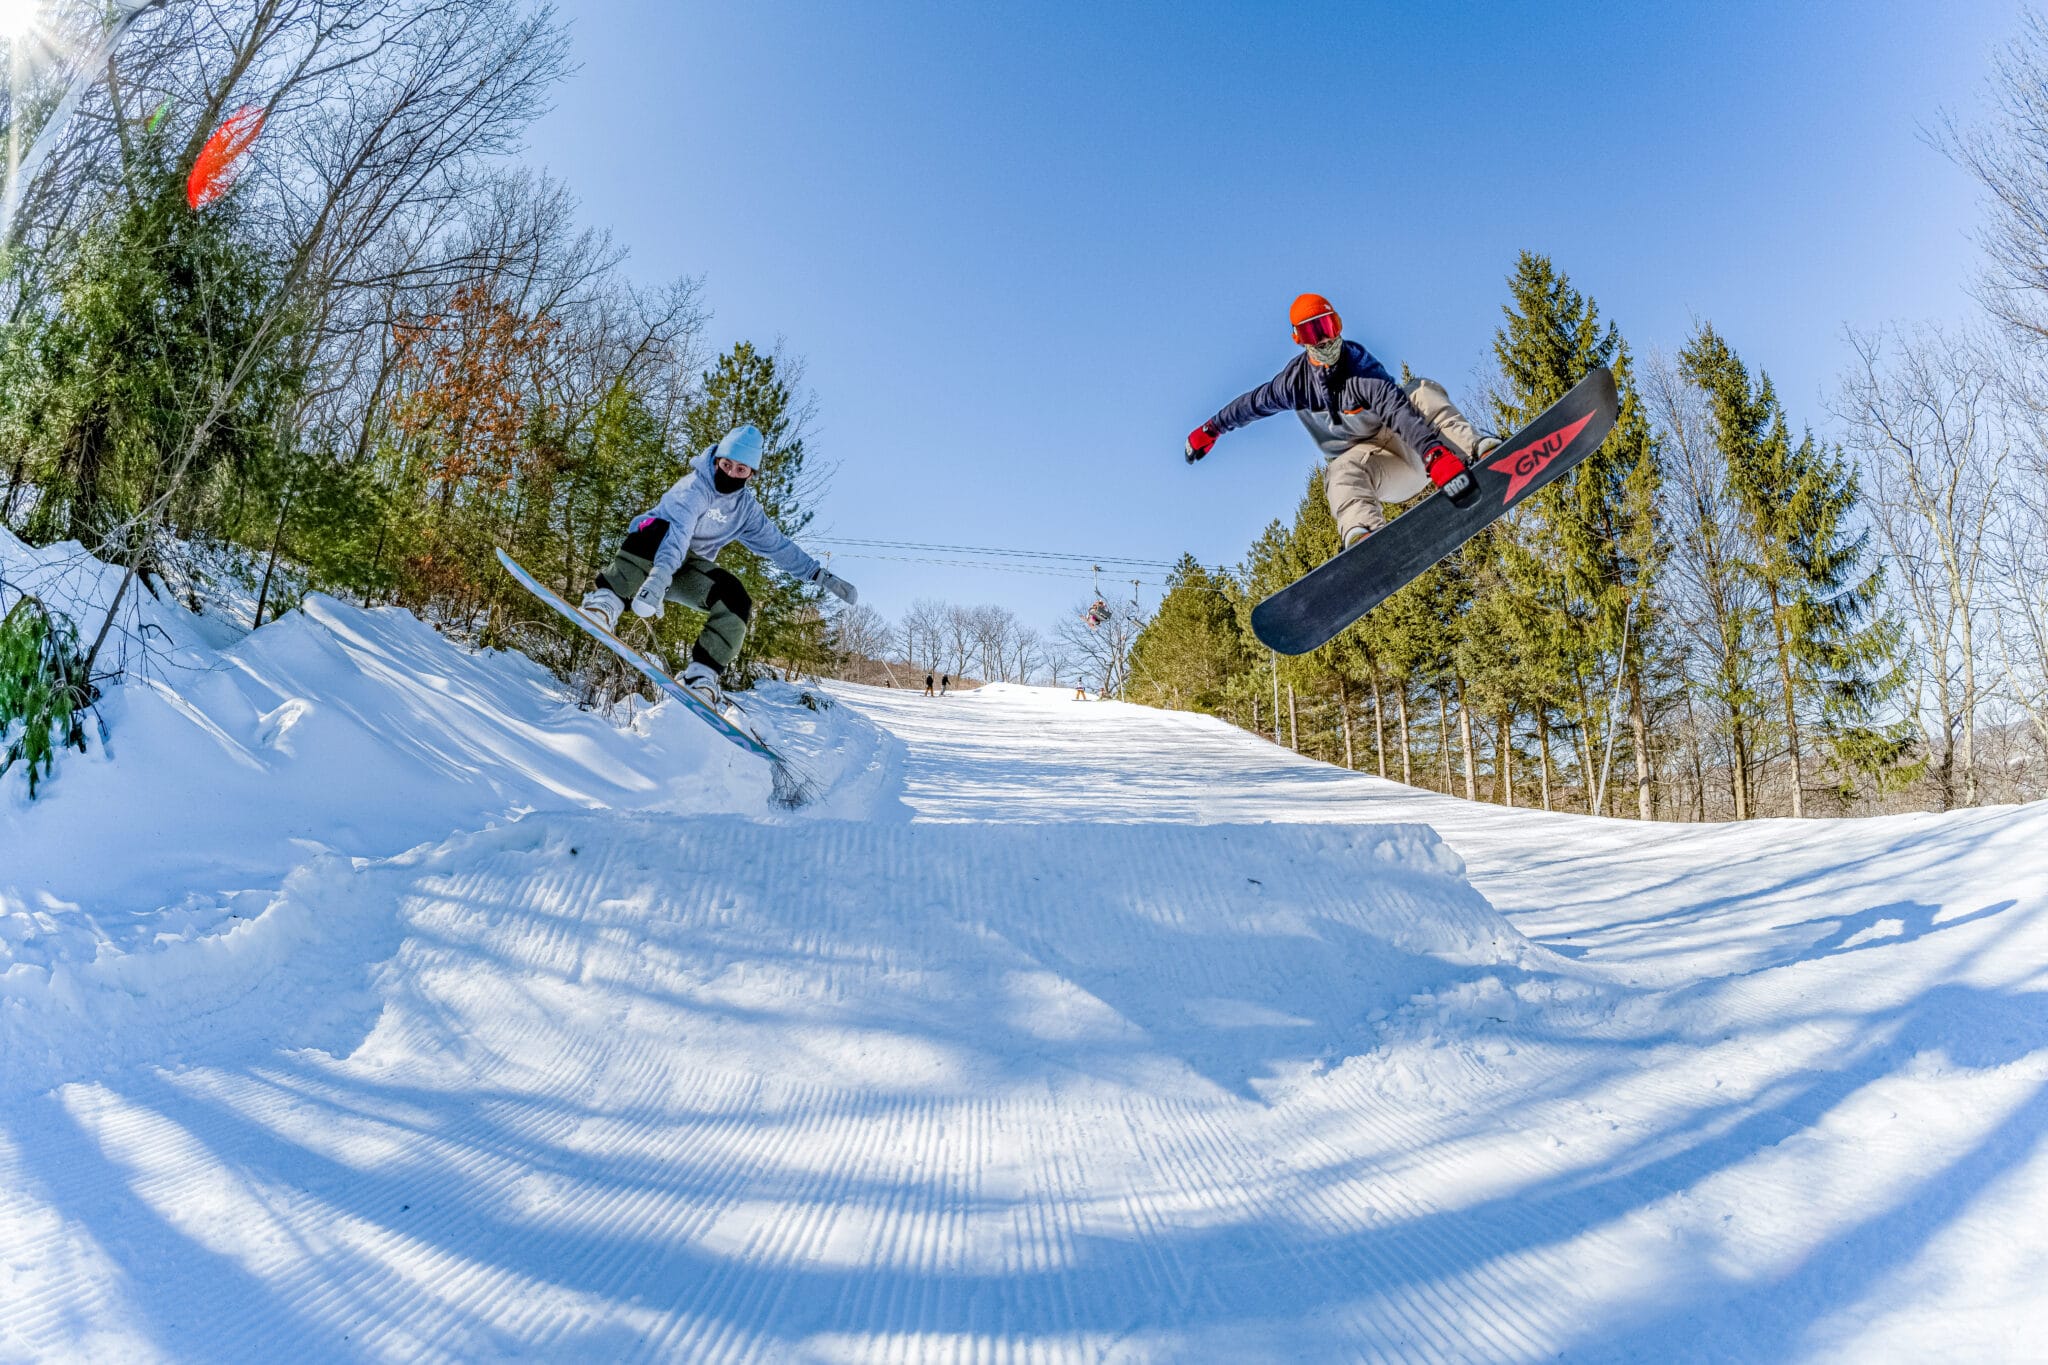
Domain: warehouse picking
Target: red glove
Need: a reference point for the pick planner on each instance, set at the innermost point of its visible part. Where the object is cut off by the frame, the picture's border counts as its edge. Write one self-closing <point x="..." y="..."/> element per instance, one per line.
<point x="1447" y="471"/>
<point x="1201" y="440"/>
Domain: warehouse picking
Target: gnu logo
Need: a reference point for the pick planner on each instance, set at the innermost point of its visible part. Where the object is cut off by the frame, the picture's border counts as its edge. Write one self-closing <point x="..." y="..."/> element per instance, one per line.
<point x="1531" y="460"/>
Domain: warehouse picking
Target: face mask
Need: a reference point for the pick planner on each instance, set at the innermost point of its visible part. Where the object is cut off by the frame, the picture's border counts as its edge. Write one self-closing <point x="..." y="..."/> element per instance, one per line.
<point x="1326" y="352"/>
<point x="724" y="482"/>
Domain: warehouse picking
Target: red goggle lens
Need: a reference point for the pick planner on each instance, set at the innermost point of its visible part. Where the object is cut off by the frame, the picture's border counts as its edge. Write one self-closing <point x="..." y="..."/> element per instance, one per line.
<point x="1319" y="328"/>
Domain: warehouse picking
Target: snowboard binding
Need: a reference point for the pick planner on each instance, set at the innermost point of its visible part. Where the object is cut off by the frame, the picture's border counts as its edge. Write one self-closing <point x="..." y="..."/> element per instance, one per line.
<point x="1450" y="474"/>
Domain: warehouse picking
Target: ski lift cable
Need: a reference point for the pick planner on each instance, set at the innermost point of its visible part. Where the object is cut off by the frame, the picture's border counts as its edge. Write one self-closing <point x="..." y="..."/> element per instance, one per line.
<point x="992" y="550"/>
<point x="974" y="564"/>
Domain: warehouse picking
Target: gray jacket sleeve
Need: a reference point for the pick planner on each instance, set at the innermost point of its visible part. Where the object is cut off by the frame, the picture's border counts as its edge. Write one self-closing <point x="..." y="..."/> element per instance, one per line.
<point x="761" y="535"/>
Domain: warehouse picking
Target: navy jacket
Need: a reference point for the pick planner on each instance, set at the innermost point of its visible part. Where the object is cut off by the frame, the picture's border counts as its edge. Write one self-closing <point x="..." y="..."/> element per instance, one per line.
<point x="1352" y="398"/>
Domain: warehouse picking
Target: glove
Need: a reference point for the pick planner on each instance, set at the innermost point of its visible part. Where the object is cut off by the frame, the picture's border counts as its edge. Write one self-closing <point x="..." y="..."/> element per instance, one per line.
<point x="653" y="594"/>
<point x="1448" y="472"/>
<point x="834" y="584"/>
<point x="1201" y="440"/>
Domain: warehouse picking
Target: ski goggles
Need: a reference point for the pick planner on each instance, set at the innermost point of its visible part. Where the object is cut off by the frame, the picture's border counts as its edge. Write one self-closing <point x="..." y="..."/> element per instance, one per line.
<point x="1320" y="328"/>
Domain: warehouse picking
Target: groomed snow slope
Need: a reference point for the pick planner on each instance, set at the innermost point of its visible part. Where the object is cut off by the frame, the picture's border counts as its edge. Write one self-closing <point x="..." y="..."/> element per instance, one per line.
<point x="1056" y="1031"/>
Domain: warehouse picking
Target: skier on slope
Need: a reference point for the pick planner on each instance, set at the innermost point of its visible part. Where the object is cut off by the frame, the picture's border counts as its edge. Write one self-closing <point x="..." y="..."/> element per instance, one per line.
<point x="670" y="554"/>
<point x="1386" y="441"/>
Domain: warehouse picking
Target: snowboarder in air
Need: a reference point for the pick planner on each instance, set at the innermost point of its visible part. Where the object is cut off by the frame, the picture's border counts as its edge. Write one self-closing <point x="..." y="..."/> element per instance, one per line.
<point x="671" y="552"/>
<point x="1386" y="441"/>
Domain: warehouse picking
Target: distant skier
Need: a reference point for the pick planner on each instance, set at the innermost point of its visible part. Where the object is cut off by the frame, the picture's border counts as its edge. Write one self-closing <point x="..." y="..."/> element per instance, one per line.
<point x="670" y="554"/>
<point x="1386" y="441"/>
<point x="945" y="681"/>
<point x="927" y="684"/>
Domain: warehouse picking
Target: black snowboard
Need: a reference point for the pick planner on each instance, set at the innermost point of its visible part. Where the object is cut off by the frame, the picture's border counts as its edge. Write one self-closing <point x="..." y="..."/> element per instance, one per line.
<point x="1310" y="611"/>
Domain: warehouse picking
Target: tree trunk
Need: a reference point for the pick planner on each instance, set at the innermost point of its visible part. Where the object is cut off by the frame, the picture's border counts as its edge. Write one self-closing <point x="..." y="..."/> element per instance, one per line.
<point x="1639" y="722"/>
<point x="1947" y="767"/>
<point x="1587" y="768"/>
<point x="1379" y="727"/>
<point x="1407" y="750"/>
<point x="1738" y="772"/>
<point x="376" y="557"/>
<point x="1969" y="708"/>
<point x="1276" y="698"/>
<point x="1504" y="759"/>
<point x="1293" y="729"/>
<point x="1791" y="707"/>
<point x="1699" y="769"/>
<point x="284" y="511"/>
<point x="82" y="518"/>
<point x="1543" y="750"/>
<point x="13" y="485"/>
<point x="1465" y="742"/>
<point x="1344" y="715"/>
<point x="1443" y="736"/>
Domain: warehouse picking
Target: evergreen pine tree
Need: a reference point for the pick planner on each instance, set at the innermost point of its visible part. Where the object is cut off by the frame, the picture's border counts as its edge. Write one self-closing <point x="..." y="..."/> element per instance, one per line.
<point x="1835" y="654"/>
<point x="104" y="375"/>
<point x="1586" y="549"/>
<point x="749" y="385"/>
<point x="1191" y="651"/>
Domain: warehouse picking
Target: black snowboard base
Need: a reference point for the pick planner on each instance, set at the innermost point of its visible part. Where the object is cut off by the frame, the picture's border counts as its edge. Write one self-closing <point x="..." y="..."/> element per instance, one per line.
<point x="1309" y="612"/>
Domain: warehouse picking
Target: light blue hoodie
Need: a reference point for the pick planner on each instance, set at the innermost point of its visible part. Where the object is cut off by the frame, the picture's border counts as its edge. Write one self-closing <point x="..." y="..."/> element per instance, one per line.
<point x="701" y="520"/>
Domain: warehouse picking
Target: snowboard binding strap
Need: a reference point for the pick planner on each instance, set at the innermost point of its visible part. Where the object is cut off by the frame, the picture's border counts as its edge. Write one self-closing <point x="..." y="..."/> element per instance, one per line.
<point x="1448" y="472"/>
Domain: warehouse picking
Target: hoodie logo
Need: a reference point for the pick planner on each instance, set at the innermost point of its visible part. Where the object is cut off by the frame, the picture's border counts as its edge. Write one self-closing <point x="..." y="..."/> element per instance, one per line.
<point x="719" y="514"/>
<point x="1525" y="464"/>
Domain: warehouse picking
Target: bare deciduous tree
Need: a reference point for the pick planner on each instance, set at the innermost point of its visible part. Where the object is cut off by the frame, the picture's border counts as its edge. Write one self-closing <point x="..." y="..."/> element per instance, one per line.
<point x="1101" y="655"/>
<point x="1921" y="420"/>
<point x="2009" y="156"/>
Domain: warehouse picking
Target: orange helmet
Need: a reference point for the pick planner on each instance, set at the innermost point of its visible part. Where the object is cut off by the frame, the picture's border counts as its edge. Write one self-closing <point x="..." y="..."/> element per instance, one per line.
<point x="1314" y="319"/>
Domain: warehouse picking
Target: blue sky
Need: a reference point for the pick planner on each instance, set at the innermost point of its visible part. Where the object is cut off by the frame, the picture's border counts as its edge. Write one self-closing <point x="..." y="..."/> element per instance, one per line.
<point x="1024" y="247"/>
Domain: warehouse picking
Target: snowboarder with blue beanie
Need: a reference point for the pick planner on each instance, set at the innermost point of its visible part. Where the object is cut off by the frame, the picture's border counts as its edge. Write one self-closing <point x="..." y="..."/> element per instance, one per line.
<point x="1386" y="441"/>
<point x="671" y="553"/>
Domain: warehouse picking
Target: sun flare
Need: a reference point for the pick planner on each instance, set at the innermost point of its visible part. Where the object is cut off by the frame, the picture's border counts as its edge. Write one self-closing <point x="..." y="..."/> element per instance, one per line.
<point x="17" y="17"/>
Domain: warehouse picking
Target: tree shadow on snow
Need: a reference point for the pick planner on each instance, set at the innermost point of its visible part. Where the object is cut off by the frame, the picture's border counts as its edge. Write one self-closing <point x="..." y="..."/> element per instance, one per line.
<point x="728" y="1213"/>
<point x="1915" y="920"/>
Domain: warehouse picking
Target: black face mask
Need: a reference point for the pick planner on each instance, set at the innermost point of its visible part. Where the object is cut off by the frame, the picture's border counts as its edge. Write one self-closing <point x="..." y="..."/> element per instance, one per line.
<point x="726" y="483"/>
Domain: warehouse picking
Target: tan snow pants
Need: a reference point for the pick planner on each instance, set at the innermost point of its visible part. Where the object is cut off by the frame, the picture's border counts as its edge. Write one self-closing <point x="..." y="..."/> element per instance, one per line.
<point x="1382" y="469"/>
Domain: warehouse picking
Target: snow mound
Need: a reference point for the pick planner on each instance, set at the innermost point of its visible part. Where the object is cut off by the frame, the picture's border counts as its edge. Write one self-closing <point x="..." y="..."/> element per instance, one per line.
<point x="202" y="853"/>
<point x="233" y="757"/>
<point x="1242" y="953"/>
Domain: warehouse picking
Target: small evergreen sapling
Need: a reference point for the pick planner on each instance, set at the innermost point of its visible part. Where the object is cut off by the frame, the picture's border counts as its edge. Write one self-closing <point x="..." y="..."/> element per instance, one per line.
<point x="44" y="692"/>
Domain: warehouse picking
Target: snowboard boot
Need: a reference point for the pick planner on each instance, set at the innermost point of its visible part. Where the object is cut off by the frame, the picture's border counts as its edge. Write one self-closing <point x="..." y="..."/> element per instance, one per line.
<point x="603" y="606"/>
<point x="701" y="679"/>
<point x="1356" y="534"/>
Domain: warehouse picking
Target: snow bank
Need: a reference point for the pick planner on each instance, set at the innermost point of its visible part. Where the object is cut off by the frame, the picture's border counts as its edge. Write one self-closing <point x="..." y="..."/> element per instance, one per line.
<point x="217" y="976"/>
<point x="205" y="848"/>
